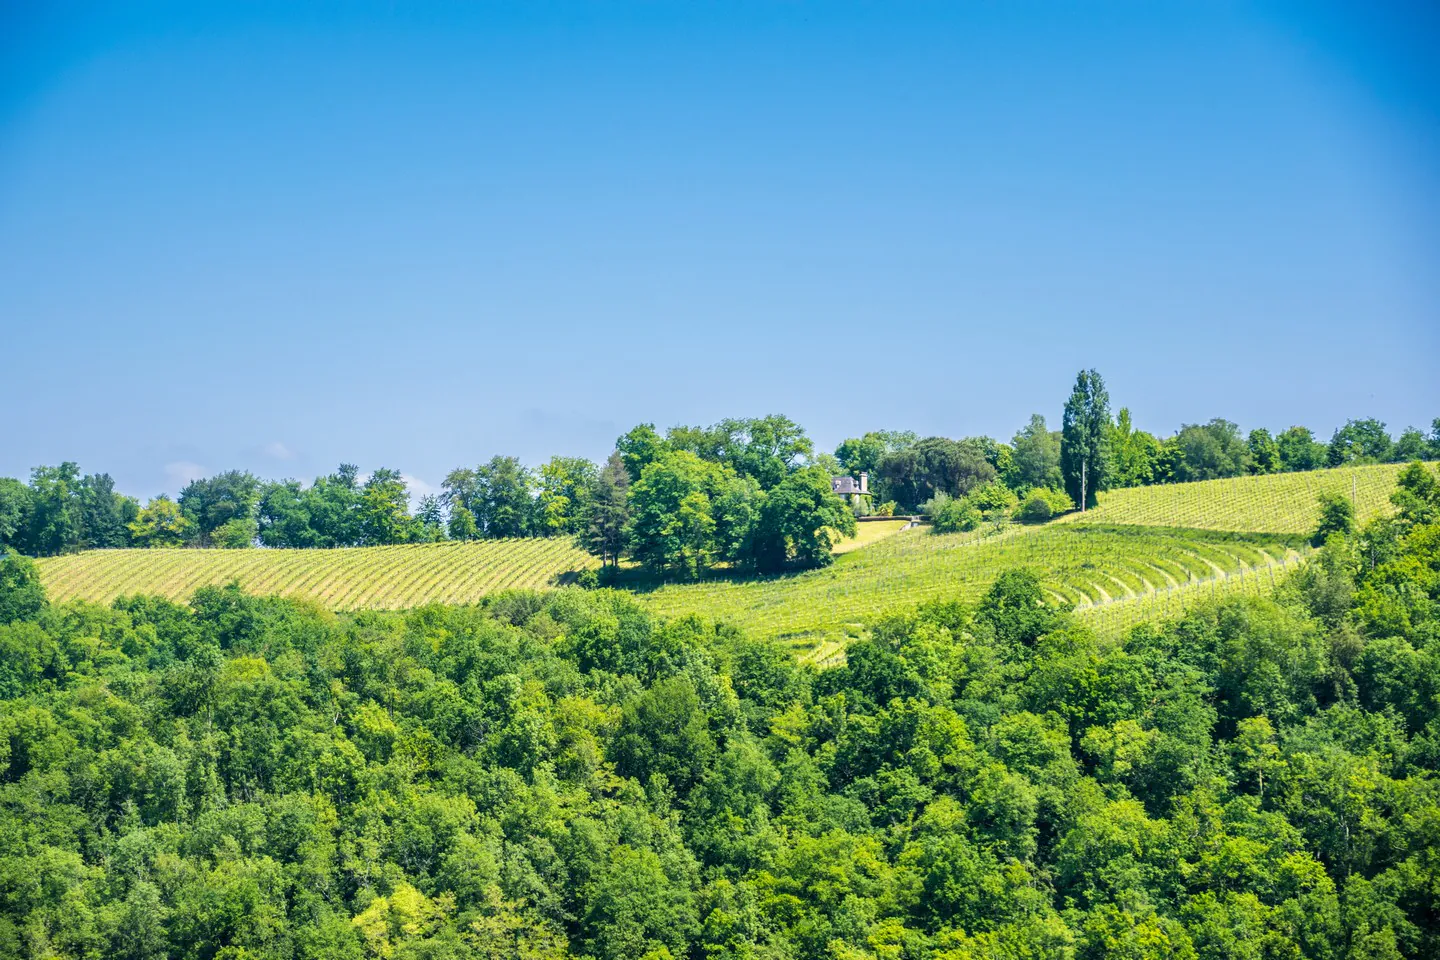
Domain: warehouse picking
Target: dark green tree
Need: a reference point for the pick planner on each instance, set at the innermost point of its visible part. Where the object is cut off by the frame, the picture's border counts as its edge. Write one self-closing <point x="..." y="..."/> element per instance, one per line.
<point x="1337" y="516"/>
<point x="1084" y="454"/>
<point x="211" y="503"/>
<point x="1359" y="441"/>
<point x="22" y="595"/>
<point x="608" y="518"/>
<point x="798" y="523"/>
<point x="1035" y="461"/>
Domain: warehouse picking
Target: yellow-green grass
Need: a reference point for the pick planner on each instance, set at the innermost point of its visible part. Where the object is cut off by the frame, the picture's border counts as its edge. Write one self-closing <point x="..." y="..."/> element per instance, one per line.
<point x="378" y="578"/>
<point x="1274" y="503"/>
<point x="869" y="532"/>
<point x="1088" y="566"/>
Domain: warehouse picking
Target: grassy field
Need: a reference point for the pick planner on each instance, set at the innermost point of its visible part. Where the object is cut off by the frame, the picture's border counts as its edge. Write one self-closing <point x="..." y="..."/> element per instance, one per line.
<point x="1278" y="503"/>
<point x="347" y="579"/>
<point x="869" y="532"/>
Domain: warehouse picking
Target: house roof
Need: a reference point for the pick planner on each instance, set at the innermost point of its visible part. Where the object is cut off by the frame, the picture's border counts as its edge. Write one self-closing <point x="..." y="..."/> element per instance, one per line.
<point x="844" y="485"/>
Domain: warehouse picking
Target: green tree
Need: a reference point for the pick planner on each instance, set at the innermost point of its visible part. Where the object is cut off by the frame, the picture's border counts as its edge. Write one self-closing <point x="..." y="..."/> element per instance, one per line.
<point x="665" y="731"/>
<point x="1359" y="441"/>
<point x="161" y="524"/>
<point x="934" y="465"/>
<point x="1084" y="453"/>
<point x="462" y="524"/>
<point x="385" y="509"/>
<point x="334" y="506"/>
<point x="211" y="502"/>
<point x="1299" y="450"/>
<point x="1208" y="451"/>
<point x="607" y="522"/>
<point x="1337" y="516"/>
<point x="104" y="514"/>
<point x="55" y="521"/>
<point x="1016" y="609"/>
<point x="22" y="595"/>
<point x="14" y="511"/>
<point x="282" y="516"/>
<point x="1264" y="452"/>
<point x="672" y="527"/>
<point x="566" y="485"/>
<point x="1035" y="460"/>
<point x="862" y="454"/>
<point x="506" y="505"/>
<point x="798" y="523"/>
<point x="639" y="448"/>
<point x="1134" y="454"/>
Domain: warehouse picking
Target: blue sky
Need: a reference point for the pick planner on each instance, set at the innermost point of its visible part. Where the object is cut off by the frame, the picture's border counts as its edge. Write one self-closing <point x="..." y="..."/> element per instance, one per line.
<point x="278" y="236"/>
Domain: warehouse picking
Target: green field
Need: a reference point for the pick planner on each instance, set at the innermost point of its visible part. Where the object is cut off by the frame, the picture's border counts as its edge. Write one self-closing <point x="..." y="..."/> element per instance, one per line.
<point x="1142" y="553"/>
<point x="382" y="578"/>
<point x="1092" y="567"/>
<point x="1276" y="503"/>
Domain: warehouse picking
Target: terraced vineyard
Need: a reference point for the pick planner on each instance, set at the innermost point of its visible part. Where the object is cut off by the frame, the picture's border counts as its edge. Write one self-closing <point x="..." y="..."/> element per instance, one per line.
<point x="1093" y="567"/>
<point x="1277" y="503"/>
<point x="346" y="579"/>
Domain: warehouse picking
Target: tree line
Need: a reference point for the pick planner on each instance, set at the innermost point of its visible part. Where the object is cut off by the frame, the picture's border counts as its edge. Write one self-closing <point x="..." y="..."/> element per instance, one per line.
<point x="750" y="493"/>
<point x="547" y="776"/>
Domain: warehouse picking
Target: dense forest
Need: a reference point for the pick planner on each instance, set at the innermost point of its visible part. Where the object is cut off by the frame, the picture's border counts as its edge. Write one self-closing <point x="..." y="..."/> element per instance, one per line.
<point x="559" y="775"/>
<point x="750" y="494"/>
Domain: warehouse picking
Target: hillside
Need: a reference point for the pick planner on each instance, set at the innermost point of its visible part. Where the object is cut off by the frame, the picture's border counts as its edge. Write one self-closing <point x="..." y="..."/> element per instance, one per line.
<point x="380" y="578"/>
<point x="1272" y="503"/>
<point x="1141" y="553"/>
<point x="1093" y="567"/>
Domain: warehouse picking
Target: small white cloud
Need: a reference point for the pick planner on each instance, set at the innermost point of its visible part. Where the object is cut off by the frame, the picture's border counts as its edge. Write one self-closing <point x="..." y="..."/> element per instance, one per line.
<point x="418" y="488"/>
<point x="182" y="472"/>
<point x="276" y="450"/>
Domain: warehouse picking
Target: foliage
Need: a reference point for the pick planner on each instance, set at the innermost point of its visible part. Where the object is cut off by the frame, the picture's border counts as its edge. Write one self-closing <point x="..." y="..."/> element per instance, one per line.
<point x="160" y="524"/>
<point x="22" y="596"/>
<point x="798" y="521"/>
<point x="862" y="454"/>
<point x="1207" y="452"/>
<point x="565" y="776"/>
<point x="1337" y="517"/>
<point x="1359" y="441"/>
<point x="607" y="522"/>
<point x="1084" y="439"/>
<point x="1135" y="456"/>
<point x="914" y="474"/>
<point x="1299" y="450"/>
<point x="1042" y="504"/>
<point x="951" y="514"/>
<point x="210" y="503"/>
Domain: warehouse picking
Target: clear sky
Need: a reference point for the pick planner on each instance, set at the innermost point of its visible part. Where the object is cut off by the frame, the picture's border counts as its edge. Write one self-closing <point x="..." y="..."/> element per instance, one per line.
<point x="281" y="235"/>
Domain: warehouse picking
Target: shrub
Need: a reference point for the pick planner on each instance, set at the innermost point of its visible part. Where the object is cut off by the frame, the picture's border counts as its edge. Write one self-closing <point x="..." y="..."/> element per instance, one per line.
<point x="992" y="498"/>
<point x="1042" y="503"/>
<point x="949" y="515"/>
<point x="886" y="509"/>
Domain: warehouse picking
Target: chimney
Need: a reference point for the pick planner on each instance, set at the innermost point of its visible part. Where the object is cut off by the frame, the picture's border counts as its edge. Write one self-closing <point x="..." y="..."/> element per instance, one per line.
<point x="864" y="482"/>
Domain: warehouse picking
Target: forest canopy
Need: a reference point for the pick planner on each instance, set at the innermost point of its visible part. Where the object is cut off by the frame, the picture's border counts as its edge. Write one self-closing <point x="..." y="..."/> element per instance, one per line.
<point x="557" y="775"/>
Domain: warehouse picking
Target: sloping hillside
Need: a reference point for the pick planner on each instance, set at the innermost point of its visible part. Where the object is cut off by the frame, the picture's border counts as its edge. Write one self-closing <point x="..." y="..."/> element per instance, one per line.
<point x="383" y="578"/>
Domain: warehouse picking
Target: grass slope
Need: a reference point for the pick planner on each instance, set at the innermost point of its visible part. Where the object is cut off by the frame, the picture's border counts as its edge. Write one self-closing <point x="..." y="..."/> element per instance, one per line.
<point x="384" y="578"/>
<point x="1277" y="503"/>
<point x="1090" y="566"/>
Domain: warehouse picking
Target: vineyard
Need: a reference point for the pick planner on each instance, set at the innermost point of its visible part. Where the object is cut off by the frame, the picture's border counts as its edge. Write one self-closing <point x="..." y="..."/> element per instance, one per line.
<point x="1111" y="574"/>
<point x="1273" y="503"/>
<point x="345" y="579"/>
<point x="1142" y="553"/>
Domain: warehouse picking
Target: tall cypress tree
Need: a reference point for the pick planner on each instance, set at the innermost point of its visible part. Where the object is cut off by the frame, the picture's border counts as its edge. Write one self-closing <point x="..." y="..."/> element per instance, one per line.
<point x="1082" y="439"/>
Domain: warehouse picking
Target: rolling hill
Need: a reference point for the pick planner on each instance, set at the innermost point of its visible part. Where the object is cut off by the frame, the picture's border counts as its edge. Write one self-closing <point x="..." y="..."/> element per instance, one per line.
<point x="379" y="578"/>
<point x="1141" y="553"/>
